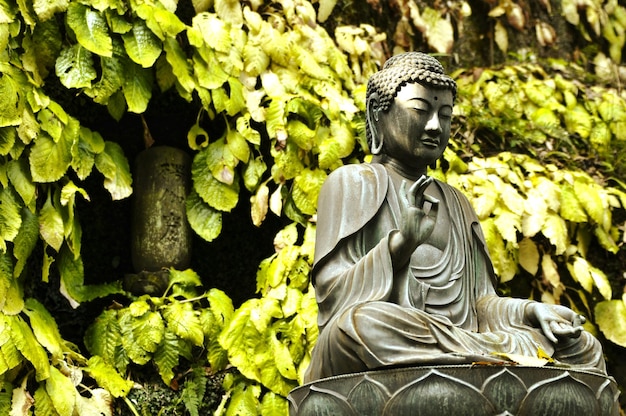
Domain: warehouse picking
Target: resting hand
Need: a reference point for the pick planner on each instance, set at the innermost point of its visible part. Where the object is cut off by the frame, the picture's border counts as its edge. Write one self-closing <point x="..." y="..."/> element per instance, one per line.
<point x="557" y="322"/>
<point x="417" y="221"/>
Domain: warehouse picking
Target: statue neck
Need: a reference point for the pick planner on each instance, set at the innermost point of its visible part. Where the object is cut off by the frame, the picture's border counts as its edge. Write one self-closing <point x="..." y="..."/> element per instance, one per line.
<point x="399" y="168"/>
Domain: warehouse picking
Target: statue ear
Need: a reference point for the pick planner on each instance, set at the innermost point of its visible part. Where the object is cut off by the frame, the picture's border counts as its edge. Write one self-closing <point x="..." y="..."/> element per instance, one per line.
<point x="372" y="113"/>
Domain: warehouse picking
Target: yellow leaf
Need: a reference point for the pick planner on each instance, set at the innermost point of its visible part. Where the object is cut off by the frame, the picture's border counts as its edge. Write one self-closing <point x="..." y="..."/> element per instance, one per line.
<point x="611" y="318"/>
<point x="571" y="209"/>
<point x="550" y="272"/>
<point x="259" y="205"/>
<point x="589" y="197"/>
<point x="529" y="256"/>
<point x="522" y="359"/>
<point x="508" y="224"/>
<point x="485" y="200"/>
<point x="580" y="271"/>
<point x="555" y="230"/>
<point x="501" y="37"/>
<point x="512" y="199"/>
<point x="601" y="282"/>
<point x="325" y="9"/>
<point x="578" y="120"/>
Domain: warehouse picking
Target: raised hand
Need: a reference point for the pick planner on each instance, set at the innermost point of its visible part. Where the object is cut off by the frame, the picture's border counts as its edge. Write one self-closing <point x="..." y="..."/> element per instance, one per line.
<point x="418" y="218"/>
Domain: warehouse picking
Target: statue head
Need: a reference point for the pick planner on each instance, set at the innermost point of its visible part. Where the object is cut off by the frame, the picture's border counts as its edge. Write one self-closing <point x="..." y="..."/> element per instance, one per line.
<point x="398" y="71"/>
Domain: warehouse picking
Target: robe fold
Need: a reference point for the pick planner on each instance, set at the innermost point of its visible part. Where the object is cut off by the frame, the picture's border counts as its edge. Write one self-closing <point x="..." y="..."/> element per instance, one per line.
<point x="442" y="310"/>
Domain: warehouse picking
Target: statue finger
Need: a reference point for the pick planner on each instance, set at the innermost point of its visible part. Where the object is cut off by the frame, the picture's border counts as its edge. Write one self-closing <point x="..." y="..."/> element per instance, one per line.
<point x="434" y="206"/>
<point x="546" y="327"/>
<point x="403" y="195"/>
<point x="417" y="190"/>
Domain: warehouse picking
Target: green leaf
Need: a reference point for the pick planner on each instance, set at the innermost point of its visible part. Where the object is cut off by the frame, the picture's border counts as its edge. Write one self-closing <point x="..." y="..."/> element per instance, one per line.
<point x="237" y="145"/>
<point x="301" y="134"/>
<point x="209" y="29"/>
<point x="7" y="138"/>
<point x="51" y="224"/>
<point x="221" y="305"/>
<point x="112" y="76"/>
<point x="578" y="120"/>
<point x="137" y="86"/>
<point x="254" y="170"/>
<point x="255" y="59"/>
<point x="45" y="9"/>
<point x="27" y="344"/>
<point x="141" y="335"/>
<point x="19" y="175"/>
<point x="185" y="278"/>
<point x="72" y="280"/>
<point x="49" y="160"/>
<point x="209" y="72"/>
<point x="546" y="120"/>
<point x="114" y="166"/>
<point x="43" y="402"/>
<point x="10" y="107"/>
<point x="282" y="358"/>
<point x="90" y="28"/>
<point x="611" y="318"/>
<point x="45" y="328"/>
<point x="485" y="200"/>
<point x="88" y="145"/>
<point x="166" y="356"/>
<point x="25" y="240"/>
<point x="288" y="164"/>
<point x="74" y="67"/>
<point x="103" y="337"/>
<point x="241" y="337"/>
<point x="217" y="356"/>
<point x="210" y="164"/>
<point x="142" y="46"/>
<point x="184" y="321"/>
<point x="107" y="377"/>
<point x="244" y="399"/>
<point x="571" y="209"/>
<point x="306" y="189"/>
<point x="10" y="355"/>
<point x="10" y="218"/>
<point x="6" y="275"/>
<point x="180" y="64"/>
<point x="274" y="404"/>
<point x="13" y="300"/>
<point x="161" y="21"/>
<point x="205" y="220"/>
<point x="62" y="392"/>
<point x="589" y="197"/>
<point x="197" y="137"/>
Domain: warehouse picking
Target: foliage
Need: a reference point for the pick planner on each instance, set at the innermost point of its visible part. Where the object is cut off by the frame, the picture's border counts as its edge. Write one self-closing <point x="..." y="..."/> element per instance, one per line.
<point x="540" y="220"/>
<point x="31" y="338"/>
<point x="552" y="116"/>
<point x="279" y="105"/>
<point x="268" y="339"/>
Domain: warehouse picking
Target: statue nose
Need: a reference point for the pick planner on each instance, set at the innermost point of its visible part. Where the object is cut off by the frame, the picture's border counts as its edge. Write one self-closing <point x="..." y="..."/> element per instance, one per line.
<point x="433" y="126"/>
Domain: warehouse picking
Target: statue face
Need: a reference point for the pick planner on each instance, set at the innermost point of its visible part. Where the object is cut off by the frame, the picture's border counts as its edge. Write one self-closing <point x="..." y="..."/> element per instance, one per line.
<point x="416" y="127"/>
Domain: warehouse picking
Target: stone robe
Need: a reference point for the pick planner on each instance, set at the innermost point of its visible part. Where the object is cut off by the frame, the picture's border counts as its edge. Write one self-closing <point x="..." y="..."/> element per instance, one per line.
<point x="442" y="310"/>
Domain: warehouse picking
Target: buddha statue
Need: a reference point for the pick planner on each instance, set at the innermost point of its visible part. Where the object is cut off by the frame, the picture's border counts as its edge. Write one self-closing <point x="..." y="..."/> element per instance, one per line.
<point x="402" y="273"/>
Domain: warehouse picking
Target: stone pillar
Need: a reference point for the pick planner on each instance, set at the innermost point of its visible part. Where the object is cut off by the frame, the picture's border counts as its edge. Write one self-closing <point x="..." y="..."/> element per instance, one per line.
<point x="161" y="235"/>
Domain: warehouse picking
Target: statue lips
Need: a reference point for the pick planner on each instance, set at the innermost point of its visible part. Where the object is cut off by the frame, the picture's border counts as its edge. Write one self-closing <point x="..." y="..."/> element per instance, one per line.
<point x="429" y="141"/>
